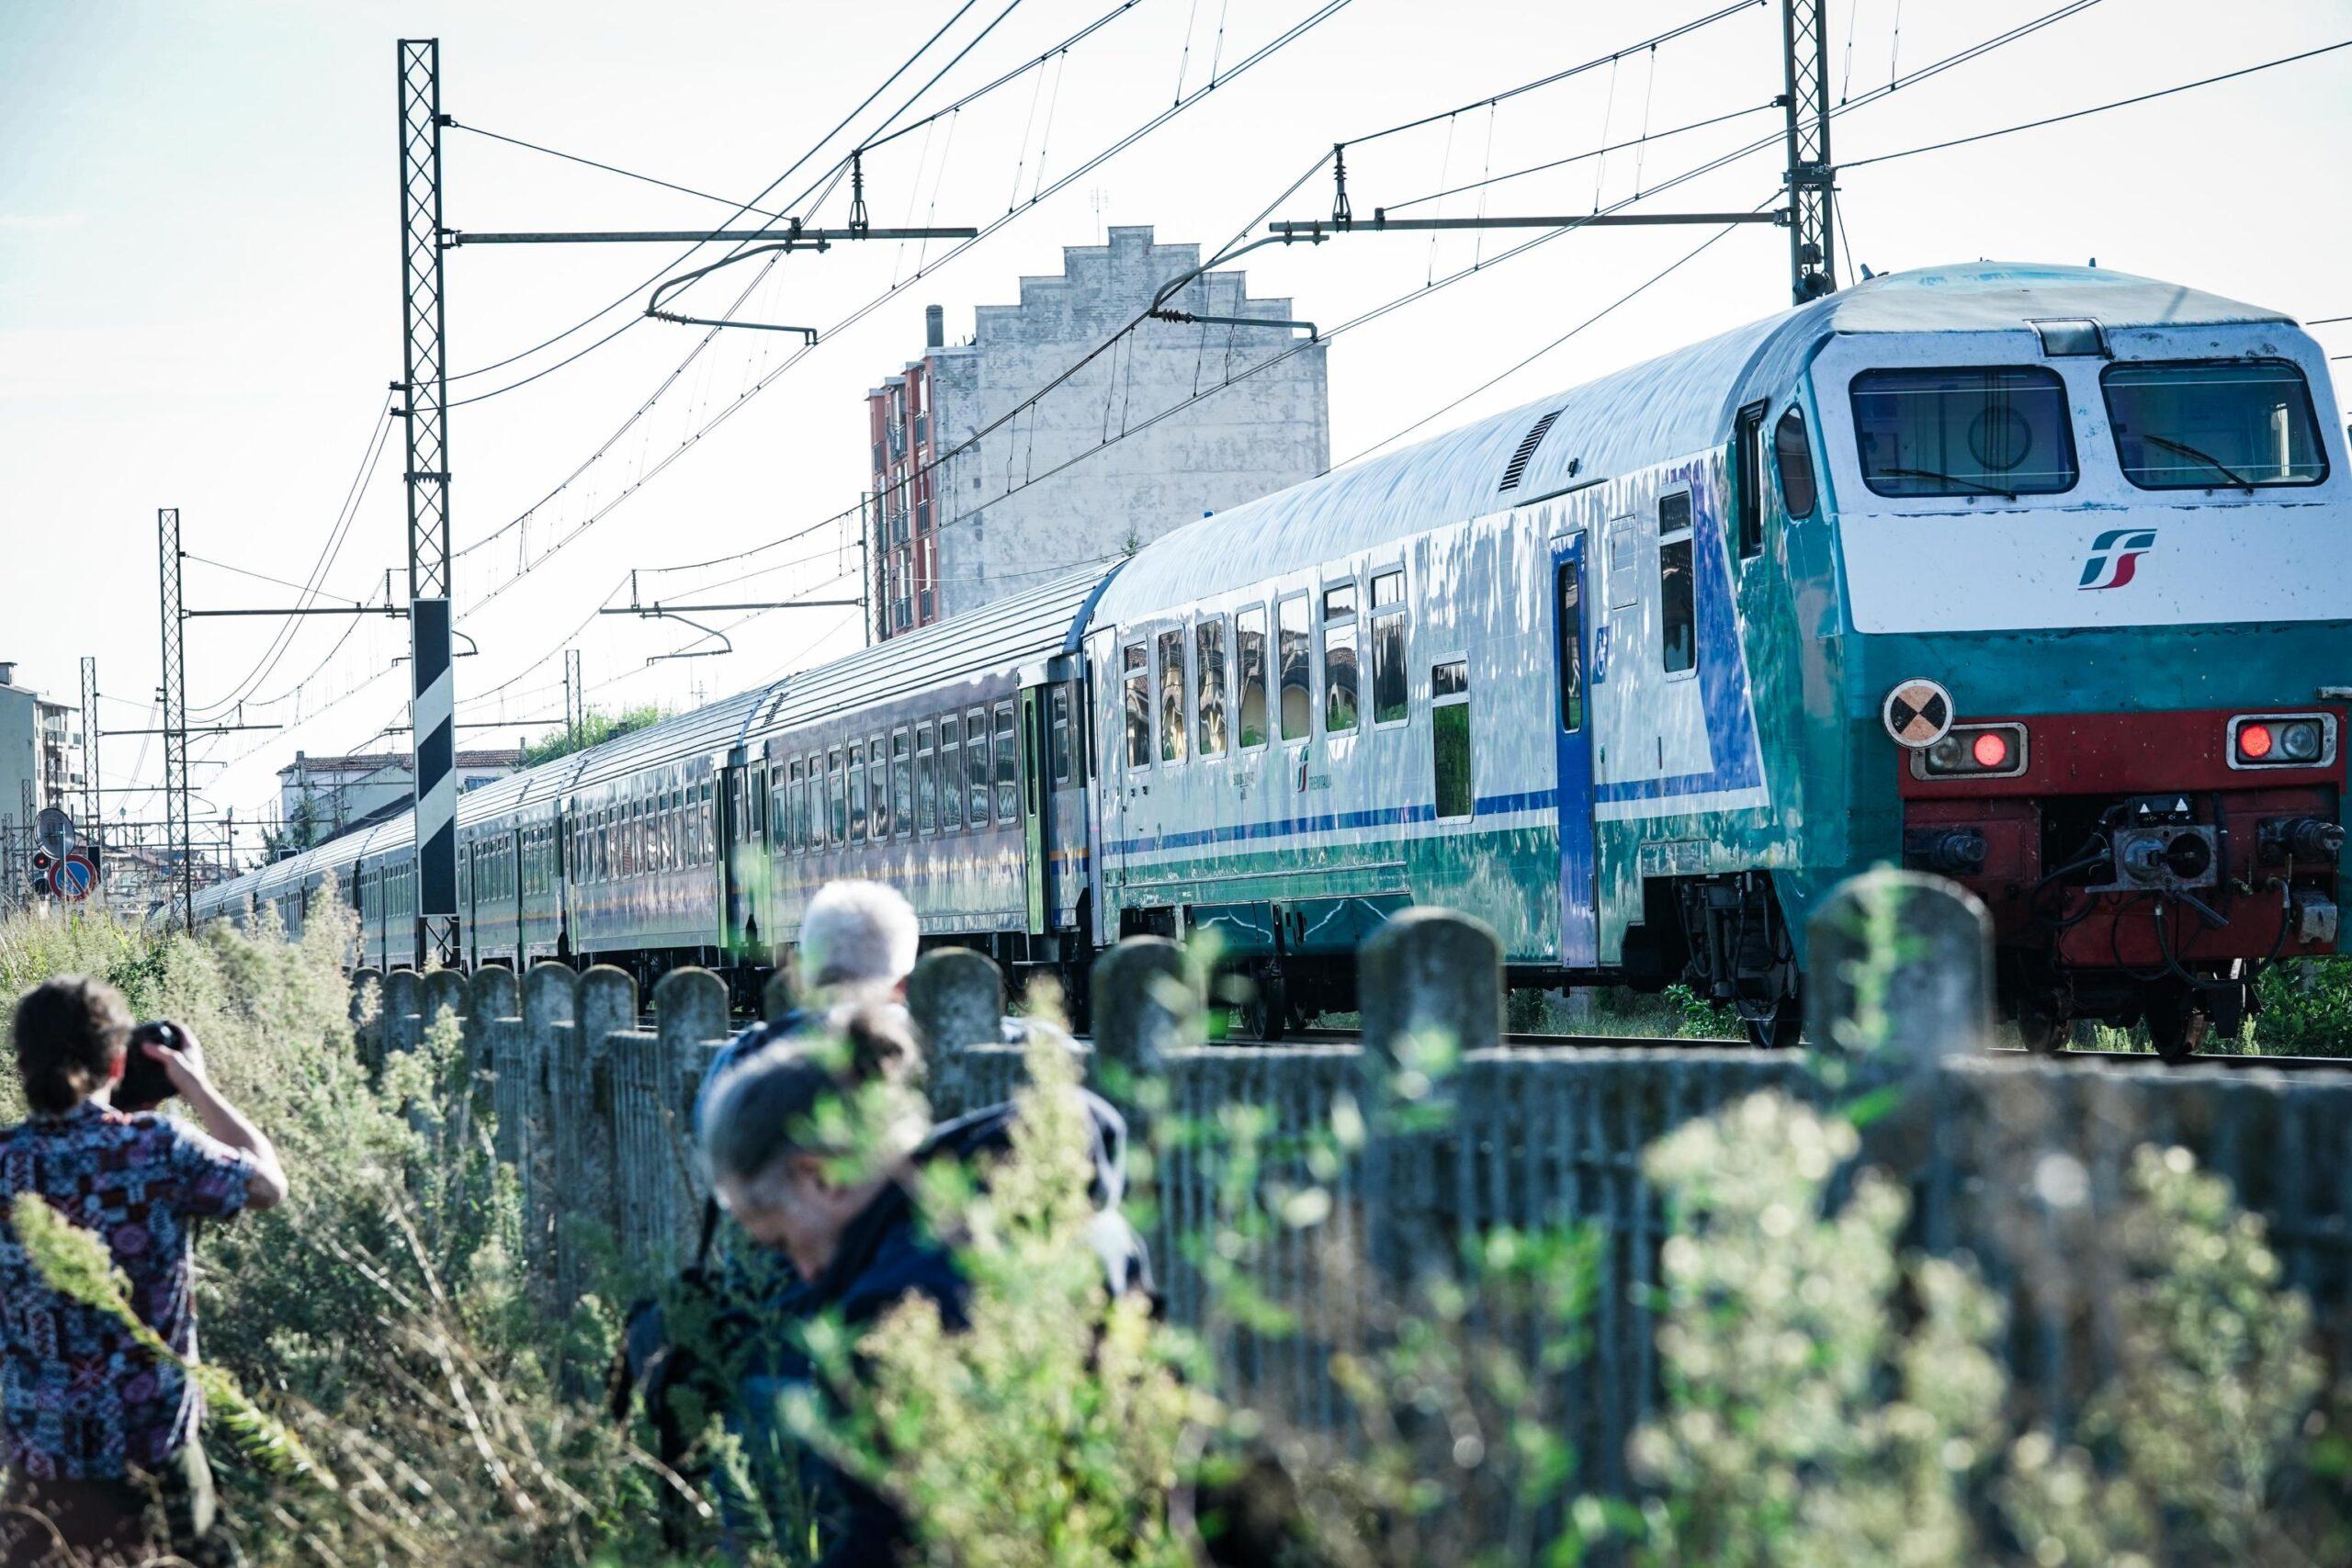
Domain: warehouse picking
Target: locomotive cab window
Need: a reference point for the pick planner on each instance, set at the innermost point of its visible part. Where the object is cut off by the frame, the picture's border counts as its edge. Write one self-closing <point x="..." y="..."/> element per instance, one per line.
<point x="1391" y="701"/>
<point x="1450" y="739"/>
<point x="1748" y="484"/>
<point x="1171" y="695"/>
<point x="1793" y="455"/>
<point x="1297" y="678"/>
<point x="2212" y="426"/>
<point x="1136" y="662"/>
<point x="1339" y="683"/>
<point x="1678" y="617"/>
<point x="1250" y="675"/>
<point x="1971" y="430"/>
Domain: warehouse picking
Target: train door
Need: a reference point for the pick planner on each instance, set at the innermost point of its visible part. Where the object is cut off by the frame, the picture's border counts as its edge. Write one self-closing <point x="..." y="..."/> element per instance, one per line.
<point x="1034" y="767"/>
<point x="1579" y="913"/>
<point x="735" y="872"/>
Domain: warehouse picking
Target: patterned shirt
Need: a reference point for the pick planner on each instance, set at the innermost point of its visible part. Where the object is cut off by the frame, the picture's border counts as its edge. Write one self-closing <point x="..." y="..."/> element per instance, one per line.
<point x="79" y="1399"/>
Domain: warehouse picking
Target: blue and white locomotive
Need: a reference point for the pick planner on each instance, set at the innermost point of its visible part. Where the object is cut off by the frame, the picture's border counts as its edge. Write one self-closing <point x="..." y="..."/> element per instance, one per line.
<point x="2037" y="577"/>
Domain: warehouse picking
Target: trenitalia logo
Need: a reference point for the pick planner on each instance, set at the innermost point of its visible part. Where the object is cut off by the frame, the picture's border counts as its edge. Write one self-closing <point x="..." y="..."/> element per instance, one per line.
<point x="2114" y="555"/>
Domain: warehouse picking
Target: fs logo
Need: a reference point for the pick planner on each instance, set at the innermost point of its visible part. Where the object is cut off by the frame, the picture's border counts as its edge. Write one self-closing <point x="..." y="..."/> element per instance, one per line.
<point x="2114" y="555"/>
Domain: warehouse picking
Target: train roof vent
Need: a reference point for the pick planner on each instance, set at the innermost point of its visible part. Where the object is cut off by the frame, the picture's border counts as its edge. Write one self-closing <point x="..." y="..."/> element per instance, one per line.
<point x="1517" y="468"/>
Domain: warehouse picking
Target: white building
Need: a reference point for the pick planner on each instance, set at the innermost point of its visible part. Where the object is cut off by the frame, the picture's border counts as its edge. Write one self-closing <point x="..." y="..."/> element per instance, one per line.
<point x="319" y="798"/>
<point x="1008" y="513"/>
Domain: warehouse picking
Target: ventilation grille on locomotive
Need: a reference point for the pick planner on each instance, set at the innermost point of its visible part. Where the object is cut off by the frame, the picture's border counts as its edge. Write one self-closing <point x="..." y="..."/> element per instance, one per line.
<point x="1526" y="453"/>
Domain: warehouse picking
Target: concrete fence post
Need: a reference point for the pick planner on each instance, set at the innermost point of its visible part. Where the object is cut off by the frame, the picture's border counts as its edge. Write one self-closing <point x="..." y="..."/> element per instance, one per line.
<point x="1147" y="1003"/>
<point x="445" y="990"/>
<point x="404" y="1005"/>
<point x="957" y="998"/>
<point x="496" y="1014"/>
<point x="583" y="1117"/>
<point x="550" y="1014"/>
<point x="661" y="1167"/>
<point x="777" y="997"/>
<point x="1900" y="980"/>
<point x="368" y="1016"/>
<point x="1430" y="984"/>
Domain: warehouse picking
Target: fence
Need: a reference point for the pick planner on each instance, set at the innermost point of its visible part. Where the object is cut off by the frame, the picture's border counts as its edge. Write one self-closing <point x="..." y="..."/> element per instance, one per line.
<point x="2014" y="1159"/>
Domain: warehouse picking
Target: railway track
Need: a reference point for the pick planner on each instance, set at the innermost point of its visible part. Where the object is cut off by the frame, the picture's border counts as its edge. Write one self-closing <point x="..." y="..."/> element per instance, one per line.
<point x="1683" y="1043"/>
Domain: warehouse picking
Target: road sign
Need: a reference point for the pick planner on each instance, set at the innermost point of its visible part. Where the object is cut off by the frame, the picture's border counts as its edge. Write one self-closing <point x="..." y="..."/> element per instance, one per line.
<point x="73" y="877"/>
<point x="55" y="830"/>
<point x="1917" y="714"/>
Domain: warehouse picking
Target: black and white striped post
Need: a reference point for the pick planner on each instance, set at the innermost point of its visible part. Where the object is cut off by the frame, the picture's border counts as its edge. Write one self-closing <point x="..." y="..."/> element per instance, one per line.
<point x="423" y="386"/>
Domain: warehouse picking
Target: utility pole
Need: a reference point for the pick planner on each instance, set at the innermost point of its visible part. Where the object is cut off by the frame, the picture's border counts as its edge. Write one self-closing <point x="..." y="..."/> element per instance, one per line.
<point x="425" y="369"/>
<point x="1811" y="178"/>
<point x="575" y="698"/>
<point x="179" y="853"/>
<point x="92" y="814"/>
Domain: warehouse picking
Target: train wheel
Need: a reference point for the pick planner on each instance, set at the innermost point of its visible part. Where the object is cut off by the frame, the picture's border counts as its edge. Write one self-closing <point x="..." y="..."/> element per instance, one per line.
<point x="2043" y="1029"/>
<point x="2177" y="1028"/>
<point x="1267" y="1012"/>
<point x="1781" y="1029"/>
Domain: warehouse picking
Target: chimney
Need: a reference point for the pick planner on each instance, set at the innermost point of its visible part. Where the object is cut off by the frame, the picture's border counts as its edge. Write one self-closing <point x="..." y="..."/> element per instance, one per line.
<point x="8" y="666"/>
<point x="934" y="327"/>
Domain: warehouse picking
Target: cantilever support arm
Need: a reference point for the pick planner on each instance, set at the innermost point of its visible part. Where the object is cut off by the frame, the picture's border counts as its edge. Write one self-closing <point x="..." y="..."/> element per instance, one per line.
<point x="1160" y="312"/>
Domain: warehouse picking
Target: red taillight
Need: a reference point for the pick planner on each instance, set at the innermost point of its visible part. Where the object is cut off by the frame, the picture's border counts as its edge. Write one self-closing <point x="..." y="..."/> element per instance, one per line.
<point x="2254" y="741"/>
<point x="1991" y="749"/>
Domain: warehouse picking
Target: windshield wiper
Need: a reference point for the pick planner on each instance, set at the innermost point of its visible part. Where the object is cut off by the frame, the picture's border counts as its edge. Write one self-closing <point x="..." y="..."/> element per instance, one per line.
<point x="1978" y="486"/>
<point x="2210" y="462"/>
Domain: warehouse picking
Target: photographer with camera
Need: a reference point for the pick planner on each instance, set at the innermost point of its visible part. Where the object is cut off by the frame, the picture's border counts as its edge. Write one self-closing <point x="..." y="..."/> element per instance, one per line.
<point x="101" y="1448"/>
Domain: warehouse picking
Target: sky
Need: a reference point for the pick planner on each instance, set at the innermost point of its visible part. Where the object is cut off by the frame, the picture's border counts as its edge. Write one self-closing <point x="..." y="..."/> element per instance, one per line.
<point x="199" y="297"/>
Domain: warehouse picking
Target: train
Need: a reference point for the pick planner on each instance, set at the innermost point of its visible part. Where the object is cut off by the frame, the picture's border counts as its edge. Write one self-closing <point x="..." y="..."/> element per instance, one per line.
<point x="2038" y="578"/>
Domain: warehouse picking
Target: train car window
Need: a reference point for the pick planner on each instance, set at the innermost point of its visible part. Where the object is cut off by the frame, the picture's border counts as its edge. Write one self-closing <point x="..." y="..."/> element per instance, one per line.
<point x="1970" y="430"/>
<point x="976" y="766"/>
<point x="926" y="782"/>
<point x="836" y="800"/>
<point x="1008" y="767"/>
<point x="1677" y="615"/>
<point x="694" y="836"/>
<point x="1208" y="652"/>
<point x="2242" y="423"/>
<point x="877" y="774"/>
<point x="857" y="795"/>
<point x="1450" y="739"/>
<point x="1568" y="592"/>
<point x="1339" y="683"/>
<point x="1297" y="677"/>
<point x="1792" y="455"/>
<point x="951" y="773"/>
<point x="1250" y="674"/>
<point x="1748" y="479"/>
<point x="1390" y="697"/>
<point x="710" y="826"/>
<point x="795" y="792"/>
<point x="1135" y="662"/>
<point x="902" y="783"/>
<point x="759" y="805"/>
<point x="1058" y="733"/>
<point x="1171" y="695"/>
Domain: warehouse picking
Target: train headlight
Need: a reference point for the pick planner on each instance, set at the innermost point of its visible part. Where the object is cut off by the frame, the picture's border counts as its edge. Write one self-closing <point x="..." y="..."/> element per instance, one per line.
<point x="2282" y="740"/>
<point x="1973" y="751"/>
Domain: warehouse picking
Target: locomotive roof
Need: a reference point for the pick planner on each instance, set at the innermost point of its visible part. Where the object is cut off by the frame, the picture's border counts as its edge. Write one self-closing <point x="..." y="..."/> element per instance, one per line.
<point x="1668" y="407"/>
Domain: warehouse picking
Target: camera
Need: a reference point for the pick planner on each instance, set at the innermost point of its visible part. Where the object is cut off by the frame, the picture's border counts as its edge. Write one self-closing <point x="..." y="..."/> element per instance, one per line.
<point x="145" y="1085"/>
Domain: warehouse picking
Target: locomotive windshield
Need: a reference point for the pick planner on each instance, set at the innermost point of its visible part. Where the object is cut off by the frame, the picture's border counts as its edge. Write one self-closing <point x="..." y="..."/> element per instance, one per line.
<point x="2199" y="426"/>
<point x="1970" y="430"/>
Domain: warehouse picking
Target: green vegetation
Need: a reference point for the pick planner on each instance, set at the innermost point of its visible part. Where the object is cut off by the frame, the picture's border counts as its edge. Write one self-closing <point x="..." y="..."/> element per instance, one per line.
<point x="594" y="731"/>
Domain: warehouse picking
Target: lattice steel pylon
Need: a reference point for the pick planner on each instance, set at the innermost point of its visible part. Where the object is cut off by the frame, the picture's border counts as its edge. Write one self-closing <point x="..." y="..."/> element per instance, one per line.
<point x="179" y="852"/>
<point x="424" y="372"/>
<point x="1811" y="178"/>
<point x="94" y="819"/>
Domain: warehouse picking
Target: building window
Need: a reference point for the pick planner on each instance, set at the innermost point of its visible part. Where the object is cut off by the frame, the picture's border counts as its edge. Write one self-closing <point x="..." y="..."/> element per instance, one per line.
<point x="1171" y="695"/>
<point x="1137" y="663"/>
<point x="1250" y="674"/>
<point x="1391" y="702"/>
<point x="1450" y="739"/>
<point x="1339" y="659"/>
<point x="1209" y="638"/>
<point x="1678" y="612"/>
<point x="1297" y="677"/>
